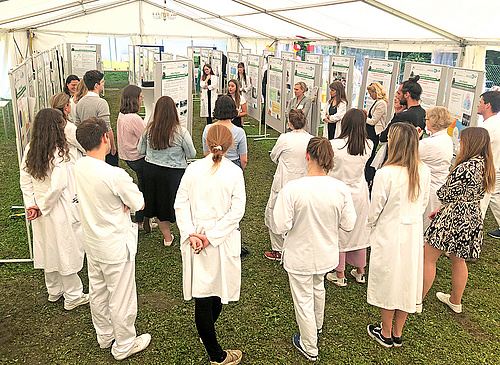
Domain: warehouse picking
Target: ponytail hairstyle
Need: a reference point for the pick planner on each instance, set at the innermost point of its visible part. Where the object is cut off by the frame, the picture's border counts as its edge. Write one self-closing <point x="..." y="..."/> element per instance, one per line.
<point x="219" y="141"/>
<point x="403" y="151"/>
<point x="320" y="150"/>
<point x="59" y="101"/>
<point x="413" y="87"/>
<point x="475" y="141"/>
<point x="81" y="91"/>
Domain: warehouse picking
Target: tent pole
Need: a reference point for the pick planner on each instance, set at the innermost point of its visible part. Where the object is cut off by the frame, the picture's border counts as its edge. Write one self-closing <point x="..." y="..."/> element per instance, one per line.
<point x="141" y="24"/>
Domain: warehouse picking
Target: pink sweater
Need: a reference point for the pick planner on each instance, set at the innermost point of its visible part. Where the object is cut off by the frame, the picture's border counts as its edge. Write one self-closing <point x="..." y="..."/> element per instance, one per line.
<point x="129" y="129"/>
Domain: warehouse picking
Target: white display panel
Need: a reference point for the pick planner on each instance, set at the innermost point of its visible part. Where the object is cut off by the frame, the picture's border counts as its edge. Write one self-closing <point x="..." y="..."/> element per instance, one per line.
<point x="233" y="59"/>
<point x="54" y="66"/>
<point x="49" y="90"/>
<point x="131" y="67"/>
<point x="244" y="53"/>
<point x="205" y="54"/>
<point x="385" y="72"/>
<point x="462" y="96"/>
<point x="433" y="80"/>
<point x="217" y="67"/>
<point x="254" y="73"/>
<point x="137" y="65"/>
<point x="267" y="52"/>
<point x="275" y="107"/>
<point x="175" y="79"/>
<point x="341" y="68"/>
<point x="315" y="57"/>
<point x="41" y="97"/>
<point x="83" y="57"/>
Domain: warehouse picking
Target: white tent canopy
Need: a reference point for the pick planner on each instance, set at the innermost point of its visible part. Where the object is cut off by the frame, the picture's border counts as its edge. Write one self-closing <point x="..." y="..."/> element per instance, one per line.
<point x="454" y="25"/>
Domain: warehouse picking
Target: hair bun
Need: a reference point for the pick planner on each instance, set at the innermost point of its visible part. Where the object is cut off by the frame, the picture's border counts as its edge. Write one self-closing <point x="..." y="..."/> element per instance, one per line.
<point x="414" y="78"/>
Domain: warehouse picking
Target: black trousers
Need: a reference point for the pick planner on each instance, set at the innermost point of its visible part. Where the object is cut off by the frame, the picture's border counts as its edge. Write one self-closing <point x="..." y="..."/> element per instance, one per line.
<point x="138" y="167"/>
<point x="370" y="171"/>
<point x="206" y="312"/>
<point x="112" y="159"/>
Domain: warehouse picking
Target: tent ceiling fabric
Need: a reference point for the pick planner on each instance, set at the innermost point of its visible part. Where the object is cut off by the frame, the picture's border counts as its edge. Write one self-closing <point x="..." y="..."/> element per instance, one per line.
<point x="279" y="19"/>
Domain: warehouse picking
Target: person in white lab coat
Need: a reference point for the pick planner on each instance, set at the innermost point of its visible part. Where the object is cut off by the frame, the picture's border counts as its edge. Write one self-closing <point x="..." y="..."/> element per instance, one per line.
<point x="335" y="110"/>
<point x="351" y="150"/>
<point x="107" y="194"/>
<point x="208" y="216"/>
<point x="209" y="84"/>
<point x="399" y="196"/>
<point x="244" y="81"/>
<point x="457" y="225"/>
<point x="49" y="194"/>
<point x="239" y="100"/>
<point x="436" y="152"/>
<point x="311" y="211"/>
<point x="289" y="153"/>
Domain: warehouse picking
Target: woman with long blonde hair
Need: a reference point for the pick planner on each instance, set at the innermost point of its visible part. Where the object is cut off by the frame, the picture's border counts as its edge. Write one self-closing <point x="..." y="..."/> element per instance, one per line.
<point x="399" y="196"/>
<point x="457" y="225"/>
<point x="209" y="205"/>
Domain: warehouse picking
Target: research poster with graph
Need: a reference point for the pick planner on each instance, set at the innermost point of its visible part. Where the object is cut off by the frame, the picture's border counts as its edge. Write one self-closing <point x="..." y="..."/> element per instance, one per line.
<point x="254" y="74"/>
<point x="233" y="59"/>
<point x="21" y="106"/>
<point x="432" y="79"/>
<point x="83" y="57"/>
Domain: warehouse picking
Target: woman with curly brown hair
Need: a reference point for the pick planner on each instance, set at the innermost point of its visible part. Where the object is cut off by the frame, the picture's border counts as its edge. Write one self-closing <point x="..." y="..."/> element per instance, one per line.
<point x="49" y="193"/>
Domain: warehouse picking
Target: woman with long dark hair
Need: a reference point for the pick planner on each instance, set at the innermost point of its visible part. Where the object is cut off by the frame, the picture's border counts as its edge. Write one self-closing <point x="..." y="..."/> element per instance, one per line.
<point x="70" y="89"/>
<point x="62" y="102"/>
<point x="239" y="100"/>
<point x="336" y="109"/>
<point x="209" y="83"/>
<point x="457" y="225"/>
<point x="399" y="196"/>
<point x="129" y="129"/>
<point x="167" y="146"/>
<point x="49" y="193"/>
<point x="210" y="203"/>
<point x="351" y="151"/>
<point x="244" y="81"/>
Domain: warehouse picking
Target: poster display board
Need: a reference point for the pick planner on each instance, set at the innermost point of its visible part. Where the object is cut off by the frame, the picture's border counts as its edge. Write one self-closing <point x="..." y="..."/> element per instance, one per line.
<point x="315" y="57"/>
<point x="233" y="58"/>
<point x="288" y="56"/>
<point x="275" y="107"/>
<point x="433" y="80"/>
<point x="63" y="61"/>
<point x="217" y="67"/>
<point x="267" y="52"/>
<point x="83" y="57"/>
<point x="131" y="67"/>
<point x="464" y="92"/>
<point x="174" y="79"/>
<point x="41" y="97"/>
<point x="32" y="83"/>
<point x="137" y="65"/>
<point x="47" y="70"/>
<point x="311" y="74"/>
<point x="254" y="73"/>
<point x="341" y="68"/>
<point x="244" y="54"/>
<point x="165" y="56"/>
<point x="54" y="68"/>
<point x="205" y="54"/>
<point x="385" y="72"/>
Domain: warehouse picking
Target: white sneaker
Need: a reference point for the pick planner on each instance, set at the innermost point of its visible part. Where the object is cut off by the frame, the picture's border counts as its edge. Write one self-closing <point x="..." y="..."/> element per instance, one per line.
<point x="332" y="276"/>
<point x="54" y="298"/>
<point x="168" y="243"/>
<point x="445" y="298"/>
<point x="84" y="299"/>
<point x="140" y="343"/>
<point x="360" y="278"/>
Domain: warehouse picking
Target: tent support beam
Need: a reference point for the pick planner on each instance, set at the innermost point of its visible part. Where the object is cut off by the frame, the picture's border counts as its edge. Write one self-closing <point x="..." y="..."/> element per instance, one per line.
<point x="217" y="16"/>
<point x="287" y="20"/>
<point x="46" y="11"/>
<point x="76" y="14"/>
<point x="299" y="7"/>
<point x="415" y="21"/>
<point x="192" y="19"/>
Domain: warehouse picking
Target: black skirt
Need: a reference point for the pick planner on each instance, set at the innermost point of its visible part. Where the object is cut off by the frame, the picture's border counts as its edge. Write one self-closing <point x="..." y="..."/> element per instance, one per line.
<point x="160" y="188"/>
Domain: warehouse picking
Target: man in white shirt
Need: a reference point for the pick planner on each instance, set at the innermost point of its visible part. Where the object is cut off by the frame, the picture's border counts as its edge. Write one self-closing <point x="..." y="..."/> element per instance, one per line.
<point x="106" y="194"/>
<point x="91" y="105"/>
<point x="488" y="107"/>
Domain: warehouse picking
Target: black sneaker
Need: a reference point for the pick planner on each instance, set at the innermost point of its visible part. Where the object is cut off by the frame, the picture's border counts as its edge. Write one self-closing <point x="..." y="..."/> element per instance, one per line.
<point x="397" y="341"/>
<point x="376" y="333"/>
<point x="495" y="233"/>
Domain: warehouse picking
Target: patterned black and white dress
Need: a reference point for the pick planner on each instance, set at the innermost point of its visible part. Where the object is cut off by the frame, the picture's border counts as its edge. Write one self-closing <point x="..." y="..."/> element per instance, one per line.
<point x="458" y="226"/>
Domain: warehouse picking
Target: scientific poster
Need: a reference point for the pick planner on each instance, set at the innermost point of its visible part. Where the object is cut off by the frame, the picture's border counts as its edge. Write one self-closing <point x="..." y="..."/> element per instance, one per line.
<point x="305" y="73"/>
<point x="314" y="57"/>
<point x="49" y="90"/>
<point x="461" y="101"/>
<point x="137" y="65"/>
<point x="274" y="81"/>
<point x="268" y="52"/>
<point x="339" y="70"/>
<point x="244" y="55"/>
<point x="233" y="59"/>
<point x="175" y="83"/>
<point x="430" y="78"/>
<point x="83" y="58"/>
<point x="217" y="67"/>
<point x="204" y="56"/>
<point x="42" y="101"/>
<point x="253" y="97"/>
<point x="20" y="96"/>
<point x="381" y="72"/>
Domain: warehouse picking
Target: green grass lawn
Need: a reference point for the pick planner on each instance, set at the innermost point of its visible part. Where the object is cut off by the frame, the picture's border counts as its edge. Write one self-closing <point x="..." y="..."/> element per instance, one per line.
<point x="261" y="324"/>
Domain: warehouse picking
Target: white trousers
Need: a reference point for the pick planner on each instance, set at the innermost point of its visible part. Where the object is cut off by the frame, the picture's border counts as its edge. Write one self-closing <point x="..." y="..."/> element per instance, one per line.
<point x="308" y="293"/>
<point x="113" y="304"/>
<point x="68" y="285"/>
<point x="493" y="200"/>
<point x="277" y="241"/>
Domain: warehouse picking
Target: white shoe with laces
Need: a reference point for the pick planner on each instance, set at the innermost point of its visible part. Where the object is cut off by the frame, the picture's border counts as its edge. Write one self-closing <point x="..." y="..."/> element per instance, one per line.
<point x="140" y="343"/>
<point x="445" y="298"/>
<point x="332" y="276"/>
<point x="360" y="278"/>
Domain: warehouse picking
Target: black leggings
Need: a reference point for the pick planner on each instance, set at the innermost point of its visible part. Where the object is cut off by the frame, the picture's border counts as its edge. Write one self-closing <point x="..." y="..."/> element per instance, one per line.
<point x="206" y="312"/>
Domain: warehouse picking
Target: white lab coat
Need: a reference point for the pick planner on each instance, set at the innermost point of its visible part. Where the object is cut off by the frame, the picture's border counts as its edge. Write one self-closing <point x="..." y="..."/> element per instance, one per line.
<point x="57" y="234"/>
<point x="214" y="208"/>
<point x="351" y="171"/>
<point x="212" y="88"/>
<point x="76" y="151"/>
<point x="436" y="152"/>
<point x="396" y="259"/>
<point x="336" y="118"/>
<point x="289" y="153"/>
<point x="246" y="86"/>
<point x="311" y="220"/>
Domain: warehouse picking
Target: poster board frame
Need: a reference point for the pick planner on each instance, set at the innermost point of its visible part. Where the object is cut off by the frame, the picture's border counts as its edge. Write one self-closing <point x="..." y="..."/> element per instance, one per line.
<point x="40" y="91"/>
<point x="131" y="66"/>
<point x="268" y="52"/>
<point x="426" y="81"/>
<point x="233" y="59"/>
<point x="184" y="106"/>
<point x="369" y="76"/>
<point x="335" y="64"/>
<point x="277" y="123"/>
<point x="254" y="105"/>
<point x="217" y="60"/>
<point x="315" y="58"/>
<point x="78" y="70"/>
